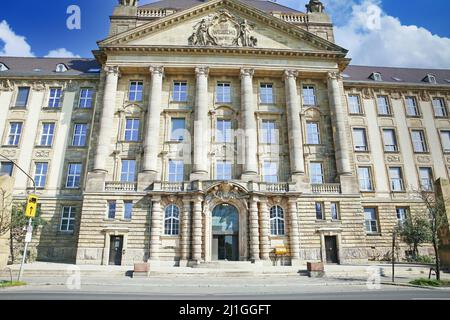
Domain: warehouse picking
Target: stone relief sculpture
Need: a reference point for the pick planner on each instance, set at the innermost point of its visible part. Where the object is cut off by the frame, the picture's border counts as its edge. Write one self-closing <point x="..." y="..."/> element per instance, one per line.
<point x="315" y="6"/>
<point x="132" y="3"/>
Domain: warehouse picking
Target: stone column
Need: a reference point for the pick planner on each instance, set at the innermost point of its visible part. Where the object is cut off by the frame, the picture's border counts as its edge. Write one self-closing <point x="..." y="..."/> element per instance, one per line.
<point x="250" y="143"/>
<point x="264" y="218"/>
<point x="185" y="232"/>
<point x="294" y="236"/>
<point x="200" y="165"/>
<point x="156" y="229"/>
<point x="107" y="119"/>
<point x="197" y="229"/>
<point x="294" y="124"/>
<point x="254" y="230"/>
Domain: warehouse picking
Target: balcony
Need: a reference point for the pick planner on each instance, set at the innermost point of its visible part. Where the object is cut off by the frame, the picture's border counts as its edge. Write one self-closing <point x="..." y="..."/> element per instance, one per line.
<point x="121" y="186"/>
<point x="292" y="18"/>
<point x="274" y="187"/>
<point x="334" y="188"/>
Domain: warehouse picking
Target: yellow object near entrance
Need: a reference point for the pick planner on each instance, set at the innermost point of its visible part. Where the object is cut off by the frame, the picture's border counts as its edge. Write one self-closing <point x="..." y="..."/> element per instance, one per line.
<point x="281" y="251"/>
<point x="32" y="202"/>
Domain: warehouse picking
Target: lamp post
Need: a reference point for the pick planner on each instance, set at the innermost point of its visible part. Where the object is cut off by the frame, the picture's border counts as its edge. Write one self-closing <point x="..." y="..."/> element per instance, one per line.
<point x="29" y="226"/>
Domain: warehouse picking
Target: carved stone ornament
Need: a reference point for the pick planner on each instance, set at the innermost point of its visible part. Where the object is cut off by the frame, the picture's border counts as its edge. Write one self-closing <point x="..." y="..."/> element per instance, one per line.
<point x="334" y="76"/>
<point x="42" y="154"/>
<point x="38" y="86"/>
<point x="393" y="158"/>
<point x="367" y="93"/>
<point x="424" y="96"/>
<point x="6" y="85"/>
<point x="226" y="192"/>
<point x="423" y="159"/>
<point x="223" y="29"/>
<point x="11" y="153"/>
<point x="71" y="86"/>
<point x="315" y="6"/>
<point x="396" y="95"/>
<point x="128" y="3"/>
<point x="363" y="158"/>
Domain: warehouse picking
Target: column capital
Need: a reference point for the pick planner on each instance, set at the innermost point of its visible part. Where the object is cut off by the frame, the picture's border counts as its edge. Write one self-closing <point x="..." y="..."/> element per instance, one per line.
<point x="290" y="74"/>
<point x="156" y="70"/>
<point x="334" y="76"/>
<point x="112" y="70"/>
<point x="202" y="71"/>
<point x="247" y="72"/>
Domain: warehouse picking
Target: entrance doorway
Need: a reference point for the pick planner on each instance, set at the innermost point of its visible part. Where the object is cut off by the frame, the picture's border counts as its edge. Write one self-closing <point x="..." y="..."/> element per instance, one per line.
<point x="225" y="231"/>
<point x="115" y="250"/>
<point x="331" y="249"/>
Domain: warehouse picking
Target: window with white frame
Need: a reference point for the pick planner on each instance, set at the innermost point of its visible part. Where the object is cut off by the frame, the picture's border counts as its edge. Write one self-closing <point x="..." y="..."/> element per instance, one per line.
<point x="128" y="210"/>
<point x="223" y="170"/>
<point x="15" y="131"/>
<point x="440" y="110"/>
<point x="40" y="174"/>
<point x="223" y="92"/>
<point x="266" y="93"/>
<point x="383" y="106"/>
<point x="402" y="215"/>
<point x="176" y="171"/>
<point x="135" y="91"/>
<point x="178" y="128"/>
<point x="68" y="219"/>
<point x="320" y="215"/>
<point x="412" y="109"/>
<point x="22" y="97"/>
<point x="396" y="179"/>
<point x="73" y="175"/>
<point x="54" y="100"/>
<point x="445" y="138"/>
<point x="112" y="208"/>
<point x="132" y="130"/>
<point x="365" y="179"/>
<point x="309" y="96"/>
<point x="360" y="139"/>
<point x="128" y="173"/>
<point x="86" y="95"/>
<point x="269" y="134"/>
<point x="180" y="91"/>
<point x="79" y="135"/>
<point x="371" y="220"/>
<point x="47" y="133"/>
<point x="390" y="140"/>
<point x="316" y="173"/>
<point x="224" y="131"/>
<point x="270" y="172"/>
<point x="426" y="178"/>
<point x="6" y="168"/>
<point x="354" y="104"/>
<point x="334" y="210"/>
<point x="172" y="220"/>
<point x="419" y="142"/>
<point x="276" y="221"/>
<point x="312" y="133"/>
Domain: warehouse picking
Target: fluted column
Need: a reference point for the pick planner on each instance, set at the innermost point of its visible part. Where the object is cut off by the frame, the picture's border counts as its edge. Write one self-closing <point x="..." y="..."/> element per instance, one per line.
<point x="294" y="123"/>
<point x="294" y="236"/>
<point x="185" y="227"/>
<point x="156" y="228"/>
<point x="249" y="145"/>
<point x="200" y="165"/>
<point x="264" y="218"/>
<point x="107" y="119"/>
<point x="151" y="137"/>
<point x="340" y="133"/>
<point x="197" y="230"/>
<point x="254" y="230"/>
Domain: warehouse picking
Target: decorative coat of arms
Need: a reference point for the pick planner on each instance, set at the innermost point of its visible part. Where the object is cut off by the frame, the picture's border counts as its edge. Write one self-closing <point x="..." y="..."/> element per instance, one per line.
<point x="223" y="29"/>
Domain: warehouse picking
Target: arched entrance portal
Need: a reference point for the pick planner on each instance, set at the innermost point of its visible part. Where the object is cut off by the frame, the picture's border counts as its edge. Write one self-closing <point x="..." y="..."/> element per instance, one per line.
<point x="225" y="233"/>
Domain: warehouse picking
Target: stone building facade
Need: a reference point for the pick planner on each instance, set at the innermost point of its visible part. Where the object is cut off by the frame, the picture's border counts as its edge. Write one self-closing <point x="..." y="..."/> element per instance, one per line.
<point x="221" y="130"/>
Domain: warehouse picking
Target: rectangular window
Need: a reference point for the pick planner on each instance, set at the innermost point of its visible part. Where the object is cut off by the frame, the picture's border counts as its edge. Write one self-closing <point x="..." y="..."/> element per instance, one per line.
<point x="176" y="171"/>
<point x="390" y="140"/>
<point x="402" y="215"/>
<point x="365" y="179"/>
<point x="223" y="131"/>
<point x="178" y="128"/>
<point x="419" y="142"/>
<point x="269" y="132"/>
<point x="79" y="135"/>
<point x="396" y="178"/>
<point x="85" y="98"/>
<point x="223" y="170"/>
<point x="132" y="130"/>
<point x="22" y="97"/>
<point x="135" y="91"/>
<point x="354" y="104"/>
<point x="40" y="174"/>
<point x="112" y="207"/>
<point x="54" y="100"/>
<point x="223" y="92"/>
<point x="15" y="130"/>
<point x="360" y="139"/>
<point x="128" y="210"/>
<point x="47" y="133"/>
<point x="445" y="138"/>
<point x="316" y="173"/>
<point x="411" y="107"/>
<point x="440" y="110"/>
<point x="266" y="93"/>
<point x="180" y="93"/>
<point x="312" y="133"/>
<point x="73" y="175"/>
<point x="370" y="215"/>
<point x="128" y="173"/>
<point x="270" y="172"/>
<point x="383" y="106"/>
<point x="68" y="219"/>
<point x="319" y="211"/>
<point x="334" y="211"/>
<point x="309" y="96"/>
<point x="6" y="168"/>
<point x="426" y="179"/>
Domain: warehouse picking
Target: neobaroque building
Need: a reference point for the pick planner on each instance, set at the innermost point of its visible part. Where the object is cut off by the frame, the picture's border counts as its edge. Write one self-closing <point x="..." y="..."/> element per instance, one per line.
<point x="221" y="130"/>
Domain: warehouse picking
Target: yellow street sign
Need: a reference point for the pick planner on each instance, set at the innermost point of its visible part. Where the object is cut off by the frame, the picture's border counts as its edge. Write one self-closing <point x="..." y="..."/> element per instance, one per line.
<point x="32" y="202"/>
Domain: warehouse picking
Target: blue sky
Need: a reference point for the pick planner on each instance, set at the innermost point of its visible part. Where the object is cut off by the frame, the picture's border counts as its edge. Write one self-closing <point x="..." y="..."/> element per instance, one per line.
<point x="43" y="26"/>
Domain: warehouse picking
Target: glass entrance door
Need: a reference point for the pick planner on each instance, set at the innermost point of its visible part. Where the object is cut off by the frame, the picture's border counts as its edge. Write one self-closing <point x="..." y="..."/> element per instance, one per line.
<point x="225" y="229"/>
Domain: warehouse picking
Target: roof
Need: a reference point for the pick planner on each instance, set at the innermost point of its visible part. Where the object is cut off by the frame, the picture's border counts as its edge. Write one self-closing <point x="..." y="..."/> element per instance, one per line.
<point x="19" y="66"/>
<point x="396" y="75"/>
<point x="264" y="5"/>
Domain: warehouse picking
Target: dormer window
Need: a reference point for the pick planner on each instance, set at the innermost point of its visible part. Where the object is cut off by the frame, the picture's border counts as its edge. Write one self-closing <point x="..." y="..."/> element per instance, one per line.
<point x="376" y="76"/>
<point x="60" y="67"/>
<point x="430" y="79"/>
<point x="3" y="67"/>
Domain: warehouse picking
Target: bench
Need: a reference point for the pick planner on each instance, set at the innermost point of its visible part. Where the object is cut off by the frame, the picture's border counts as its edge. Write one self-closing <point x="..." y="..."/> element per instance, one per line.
<point x="141" y="270"/>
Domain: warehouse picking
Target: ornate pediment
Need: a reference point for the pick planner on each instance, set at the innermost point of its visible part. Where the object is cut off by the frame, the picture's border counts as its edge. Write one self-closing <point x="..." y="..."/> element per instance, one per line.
<point x="226" y="192"/>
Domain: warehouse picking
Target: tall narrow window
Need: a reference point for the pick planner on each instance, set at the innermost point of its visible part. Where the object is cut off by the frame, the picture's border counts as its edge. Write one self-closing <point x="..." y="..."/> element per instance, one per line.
<point x="128" y="173"/>
<point x="445" y="138"/>
<point x="223" y="170"/>
<point x="266" y="93"/>
<point x="224" y="131"/>
<point x="440" y="110"/>
<point x="365" y="179"/>
<point x="276" y="221"/>
<point x="426" y="179"/>
<point x="127" y="210"/>
<point x="172" y="220"/>
<point x="47" y="133"/>
<point x="313" y="133"/>
<point x="176" y="171"/>
<point x="178" y="128"/>
<point x="334" y="210"/>
<point x="68" y="219"/>
<point x="15" y="130"/>
<point x="135" y="91"/>
<point x="112" y="207"/>
<point x="419" y="142"/>
<point x="85" y="98"/>
<point x="270" y="172"/>
<point x="411" y="107"/>
<point x="132" y="130"/>
<point x="390" y="140"/>
<point x="402" y="215"/>
<point x="354" y="104"/>
<point x="309" y="96"/>
<point x="79" y="135"/>
<point x="396" y="178"/>
<point x="383" y="106"/>
<point x="316" y="173"/>
<point x="6" y="168"/>
<point x="73" y="175"/>
<point x="40" y="174"/>
<point x="269" y="132"/>
<point x="371" y="219"/>
<point x="180" y="93"/>
<point x="54" y="100"/>
<point x="223" y="92"/>
<point x="360" y="139"/>
<point x="22" y="97"/>
<point x="319" y="211"/>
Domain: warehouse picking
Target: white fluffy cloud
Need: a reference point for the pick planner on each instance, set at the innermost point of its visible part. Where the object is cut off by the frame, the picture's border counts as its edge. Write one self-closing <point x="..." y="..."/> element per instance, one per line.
<point x="14" y="45"/>
<point x="61" y="53"/>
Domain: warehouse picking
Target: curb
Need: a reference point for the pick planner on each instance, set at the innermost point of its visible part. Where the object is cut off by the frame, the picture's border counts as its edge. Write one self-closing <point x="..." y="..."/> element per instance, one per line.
<point x="398" y="284"/>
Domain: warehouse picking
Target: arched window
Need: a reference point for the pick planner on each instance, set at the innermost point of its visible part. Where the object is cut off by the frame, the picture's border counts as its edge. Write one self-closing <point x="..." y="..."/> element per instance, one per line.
<point x="172" y="221"/>
<point x="276" y="221"/>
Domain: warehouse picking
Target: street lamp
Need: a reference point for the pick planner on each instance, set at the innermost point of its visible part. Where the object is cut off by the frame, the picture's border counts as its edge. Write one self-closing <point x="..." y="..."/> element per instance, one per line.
<point x="29" y="227"/>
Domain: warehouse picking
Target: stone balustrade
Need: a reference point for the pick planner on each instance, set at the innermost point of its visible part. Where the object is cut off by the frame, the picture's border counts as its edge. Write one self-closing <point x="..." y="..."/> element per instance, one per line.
<point x="154" y="13"/>
<point x="293" y="18"/>
<point x="120" y="186"/>
<point x="326" y="188"/>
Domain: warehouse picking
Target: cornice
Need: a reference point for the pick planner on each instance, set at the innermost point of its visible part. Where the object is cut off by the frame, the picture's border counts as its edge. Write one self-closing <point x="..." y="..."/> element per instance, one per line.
<point x="395" y="85"/>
